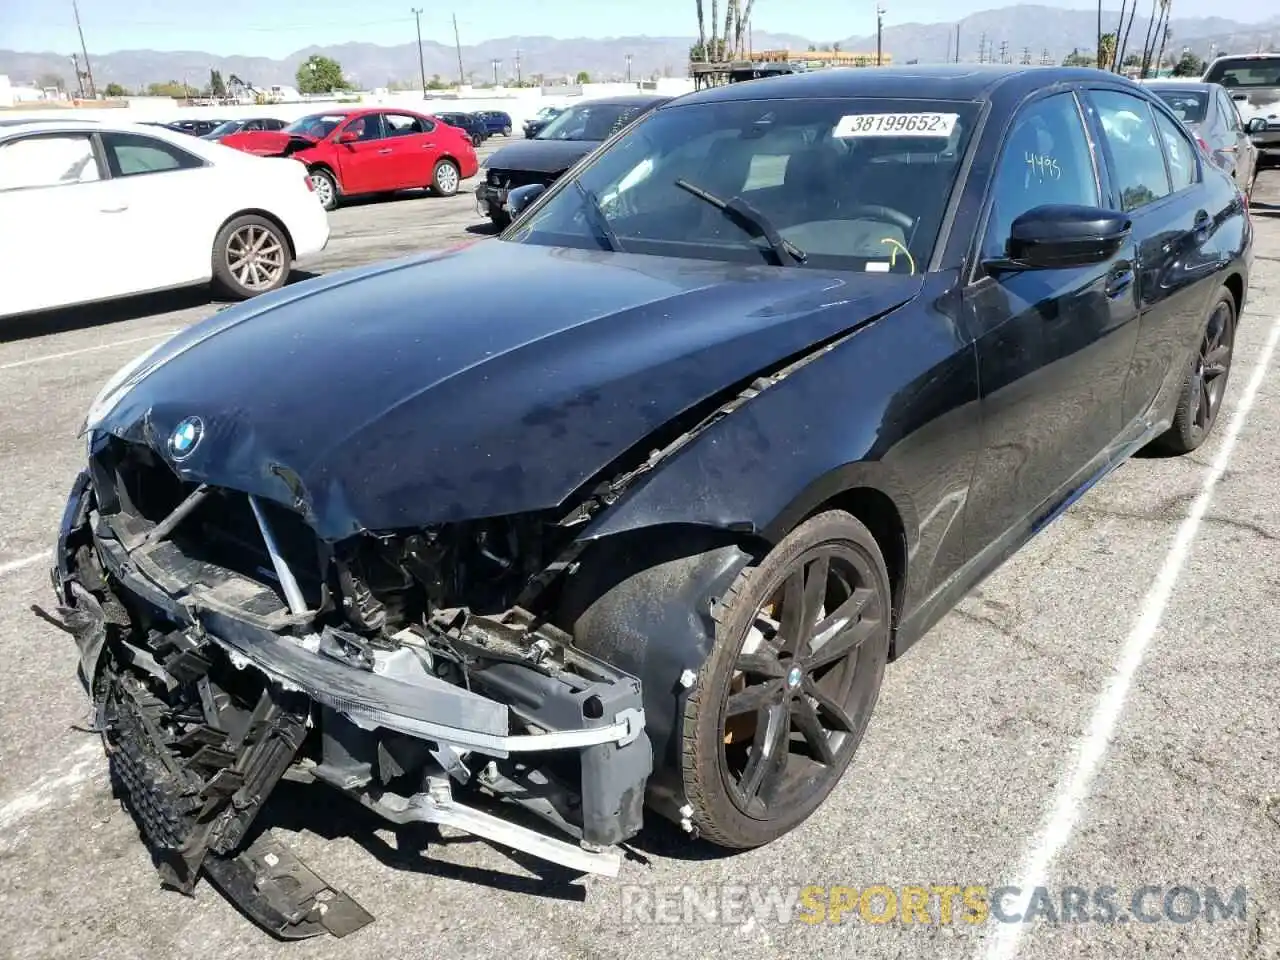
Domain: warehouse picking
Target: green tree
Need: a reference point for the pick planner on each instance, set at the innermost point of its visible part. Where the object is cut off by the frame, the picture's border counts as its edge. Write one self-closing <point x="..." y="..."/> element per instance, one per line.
<point x="47" y="80"/>
<point x="115" y="90"/>
<point x="583" y="77"/>
<point x="1188" y="65"/>
<point x="216" y="86"/>
<point x="1077" y="59"/>
<point x="171" y="89"/>
<point x="1107" y="51"/>
<point x="320" y="74"/>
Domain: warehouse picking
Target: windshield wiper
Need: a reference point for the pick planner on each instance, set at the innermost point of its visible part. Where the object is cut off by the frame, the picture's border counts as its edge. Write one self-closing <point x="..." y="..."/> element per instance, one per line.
<point x="751" y="220"/>
<point x="598" y="219"/>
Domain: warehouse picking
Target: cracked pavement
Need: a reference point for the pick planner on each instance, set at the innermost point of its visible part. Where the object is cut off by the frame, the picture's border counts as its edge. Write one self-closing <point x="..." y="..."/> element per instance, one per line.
<point x="972" y="734"/>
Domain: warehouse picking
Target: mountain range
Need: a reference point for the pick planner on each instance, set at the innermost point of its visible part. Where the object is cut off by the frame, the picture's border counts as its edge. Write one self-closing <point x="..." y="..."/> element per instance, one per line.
<point x="1023" y="32"/>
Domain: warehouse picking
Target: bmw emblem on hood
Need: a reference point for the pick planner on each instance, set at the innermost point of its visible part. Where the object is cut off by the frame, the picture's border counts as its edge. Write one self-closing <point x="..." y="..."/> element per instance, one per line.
<point x="185" y="438"/>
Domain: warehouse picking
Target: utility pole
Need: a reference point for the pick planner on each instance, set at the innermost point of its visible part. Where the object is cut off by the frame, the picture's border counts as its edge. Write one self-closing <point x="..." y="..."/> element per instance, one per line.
<point x="628" y="68"/>
<point x="957" y="43"/>
<point x="88" y="69"/>
<point x="1004" y="51"/>
<point x="422" y="67"/>
<point x="75" y="63"/>
<point x="879" y="34"/>
<point x="519" y="78"/>
<point x="462" y="80"/>
<point x="982" y="49"/>
<point x="495" y="62"/>
<point x="1026" y="56"/>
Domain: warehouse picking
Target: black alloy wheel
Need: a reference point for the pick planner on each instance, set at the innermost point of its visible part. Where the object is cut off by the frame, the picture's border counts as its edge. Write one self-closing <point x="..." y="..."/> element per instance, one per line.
<point x="785" y="698"/>
<point x="1206" y="382"/>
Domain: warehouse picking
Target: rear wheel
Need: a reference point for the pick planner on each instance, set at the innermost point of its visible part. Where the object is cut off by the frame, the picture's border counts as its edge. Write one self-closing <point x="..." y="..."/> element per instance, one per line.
<point x="476" y="139"/>
<point x="325" y="187"/>
<point x="1205" y="384"/>
<point x="445" y="179"/>
<point x="251" y="256"/>
<point x="506" y="131"/>
<point x="782" y="702"/>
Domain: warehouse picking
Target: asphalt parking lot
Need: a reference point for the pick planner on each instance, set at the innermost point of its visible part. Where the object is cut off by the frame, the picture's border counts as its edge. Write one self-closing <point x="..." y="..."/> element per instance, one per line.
<point x="968" y="775"/>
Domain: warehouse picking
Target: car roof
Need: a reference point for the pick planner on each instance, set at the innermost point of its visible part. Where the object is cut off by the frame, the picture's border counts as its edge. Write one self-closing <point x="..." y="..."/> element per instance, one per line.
<point x="204" y="149"/>
<point x="907" y="82"/>
<point x="1176" y="83"/>
<point x="632" y="100"/>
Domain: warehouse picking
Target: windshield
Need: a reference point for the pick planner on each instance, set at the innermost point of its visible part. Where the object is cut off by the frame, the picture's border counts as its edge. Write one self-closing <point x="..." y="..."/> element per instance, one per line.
<point x="226" y="129"/>
<point x="590" y="121"/>
<point x="1188" y="105"/>
<point x="317" y="125"/>
<point x="850" y="184"/>
<point x="1254" y="72"/>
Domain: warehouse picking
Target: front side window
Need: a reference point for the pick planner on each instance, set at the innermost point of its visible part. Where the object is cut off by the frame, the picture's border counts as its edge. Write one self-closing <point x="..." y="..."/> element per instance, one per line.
<point x="855" y="184"/>
<point x="1046" y="160"/>
<point x="1183" y="170"/>
<point x="367" y="127"/>
<point x="47" y="161"/>
<point x="230" y="127"/>
<point x="590" y="121"/>
<point x="1130" y="133"/>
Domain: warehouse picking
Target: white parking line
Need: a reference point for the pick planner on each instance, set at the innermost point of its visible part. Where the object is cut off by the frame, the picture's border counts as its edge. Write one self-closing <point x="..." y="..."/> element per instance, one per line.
<point x="15" y="565"/>
<point x="1072" y="793"/>
<point x="75" y="353"/>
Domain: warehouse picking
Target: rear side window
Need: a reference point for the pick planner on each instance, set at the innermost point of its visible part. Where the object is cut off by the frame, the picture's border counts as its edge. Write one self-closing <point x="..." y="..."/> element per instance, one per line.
<point x="1253" y="72"/>
<point x="402" y="125"/>
<point x="1230" y="113"/>
<point x="47" y="161"/>
<point x="1180" y="153"/>
<point x="1134" y="145"/>
<point x="131" y="155"/>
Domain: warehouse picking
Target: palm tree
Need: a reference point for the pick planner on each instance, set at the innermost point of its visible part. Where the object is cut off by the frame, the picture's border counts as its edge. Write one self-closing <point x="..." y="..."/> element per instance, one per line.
<point x="1111" y="64"/>
<point x="702" y="32"/>
<point x="1106" y="51"/>
<point x="1099" y="46"/>
<point x="715" y="25"/>
<point x="1124" y="42"/>
<point x="1147" y="44"/>
<point x="744" y="24"/>
<point x="730" y="8"/>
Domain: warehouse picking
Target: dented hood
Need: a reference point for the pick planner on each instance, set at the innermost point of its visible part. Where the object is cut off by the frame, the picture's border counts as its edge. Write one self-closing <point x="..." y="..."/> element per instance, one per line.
<point x="486" y="380"/>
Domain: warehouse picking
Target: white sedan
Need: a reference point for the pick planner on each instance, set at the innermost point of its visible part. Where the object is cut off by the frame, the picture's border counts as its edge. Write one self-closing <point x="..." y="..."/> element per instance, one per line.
<point x="94" y="210"/>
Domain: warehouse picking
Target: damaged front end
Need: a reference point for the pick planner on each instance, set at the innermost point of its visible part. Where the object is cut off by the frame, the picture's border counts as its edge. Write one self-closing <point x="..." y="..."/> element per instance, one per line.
<point x="225" y="647"/>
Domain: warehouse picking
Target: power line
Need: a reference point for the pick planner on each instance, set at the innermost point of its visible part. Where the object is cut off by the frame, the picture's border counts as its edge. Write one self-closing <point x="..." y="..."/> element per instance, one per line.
<point x="462" y="80"/>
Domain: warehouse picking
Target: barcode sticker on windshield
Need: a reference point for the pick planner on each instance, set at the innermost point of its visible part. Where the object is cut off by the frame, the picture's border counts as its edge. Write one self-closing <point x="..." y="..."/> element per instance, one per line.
<point x="896" y="125"/>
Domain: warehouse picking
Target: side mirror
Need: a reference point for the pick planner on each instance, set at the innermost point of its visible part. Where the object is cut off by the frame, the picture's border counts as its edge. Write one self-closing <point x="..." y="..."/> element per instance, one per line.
<point x="1058" y="237"/>
<point x="521" y="198"/>
<point x="1256" y="125"/>
<point x="348" y="136"/>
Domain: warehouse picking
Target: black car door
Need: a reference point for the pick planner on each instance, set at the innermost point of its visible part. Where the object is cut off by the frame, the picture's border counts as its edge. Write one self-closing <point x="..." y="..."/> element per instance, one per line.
<point x="1053" y="346"/>
<point x="1157" y="174"/>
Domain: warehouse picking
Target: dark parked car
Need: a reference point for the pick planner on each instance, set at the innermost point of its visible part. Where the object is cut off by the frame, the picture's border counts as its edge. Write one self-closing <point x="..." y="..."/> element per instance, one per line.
<point x="196" y="128"/>
<point x="473" y="125"/>
<point x="535" y="124"/>
<point x="245" y="125"/>
<point x="495" y="121"/>
<point x="768" y="386"/>
<point x="558" y="146"/>
<point x="1210" y="114"/>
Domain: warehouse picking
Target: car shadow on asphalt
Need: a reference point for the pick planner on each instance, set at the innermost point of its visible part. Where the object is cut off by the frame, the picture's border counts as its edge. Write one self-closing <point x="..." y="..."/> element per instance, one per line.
<point x="68" y="319"/>
<point x="483" y="229"/>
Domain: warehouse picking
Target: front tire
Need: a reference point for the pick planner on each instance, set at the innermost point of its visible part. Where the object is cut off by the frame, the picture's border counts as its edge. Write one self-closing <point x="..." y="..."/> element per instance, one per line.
<point x="783" y="700"/>
<point x="446" y="178"/>
<point x="506" y="131"/>
<point x="326" y="188"/>
<point x="251" y="256"/>
<point x="1205" y="384"/>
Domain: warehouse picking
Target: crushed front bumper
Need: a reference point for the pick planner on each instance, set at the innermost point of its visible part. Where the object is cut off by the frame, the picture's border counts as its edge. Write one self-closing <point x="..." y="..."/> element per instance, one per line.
<point x="168" y="643"/>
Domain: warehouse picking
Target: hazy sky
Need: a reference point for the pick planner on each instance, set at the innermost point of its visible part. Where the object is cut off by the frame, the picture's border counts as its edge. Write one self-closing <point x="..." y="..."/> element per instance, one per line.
<point x="278" y="27"/>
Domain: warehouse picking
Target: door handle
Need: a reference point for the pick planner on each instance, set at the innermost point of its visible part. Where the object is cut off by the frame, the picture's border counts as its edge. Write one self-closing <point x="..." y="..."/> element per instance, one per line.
<point x="385" y="150"/>
<point x="1119" y="280"/>
<point x="120" y="209"/>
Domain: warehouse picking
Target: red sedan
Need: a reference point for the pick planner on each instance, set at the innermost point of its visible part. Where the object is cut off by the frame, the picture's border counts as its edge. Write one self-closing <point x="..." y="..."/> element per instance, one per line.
<point x="353" y="152"/>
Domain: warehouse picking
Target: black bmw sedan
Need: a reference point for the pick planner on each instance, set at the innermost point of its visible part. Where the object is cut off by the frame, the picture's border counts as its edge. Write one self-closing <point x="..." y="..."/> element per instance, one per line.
<point x="767" y="386"/>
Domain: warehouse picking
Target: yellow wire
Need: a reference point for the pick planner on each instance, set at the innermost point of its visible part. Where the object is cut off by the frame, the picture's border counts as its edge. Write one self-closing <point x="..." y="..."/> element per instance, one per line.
<point x="893" y="257"/>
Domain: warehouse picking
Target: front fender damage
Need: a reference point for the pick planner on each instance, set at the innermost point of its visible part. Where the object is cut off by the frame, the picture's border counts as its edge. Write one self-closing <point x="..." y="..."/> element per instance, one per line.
<point x="439" y="675"/>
